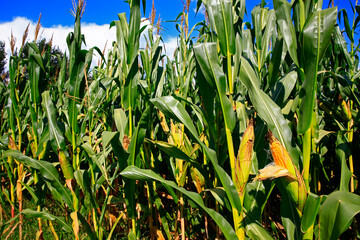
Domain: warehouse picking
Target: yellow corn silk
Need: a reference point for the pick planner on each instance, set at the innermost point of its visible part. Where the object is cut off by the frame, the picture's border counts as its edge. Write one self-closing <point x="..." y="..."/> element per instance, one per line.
<point x="284" y="167"/>
<point x="272" y="171"/>
<point x="243" y="160"/>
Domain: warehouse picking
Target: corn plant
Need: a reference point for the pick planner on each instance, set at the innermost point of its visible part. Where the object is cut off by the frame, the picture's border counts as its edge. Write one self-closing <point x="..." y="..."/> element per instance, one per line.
<point x="249" y="130"/>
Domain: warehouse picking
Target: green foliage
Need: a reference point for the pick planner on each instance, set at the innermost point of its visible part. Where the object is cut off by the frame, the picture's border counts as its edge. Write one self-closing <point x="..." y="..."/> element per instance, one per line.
<point x="146" y="146"/>
<point x="2" y="58"/>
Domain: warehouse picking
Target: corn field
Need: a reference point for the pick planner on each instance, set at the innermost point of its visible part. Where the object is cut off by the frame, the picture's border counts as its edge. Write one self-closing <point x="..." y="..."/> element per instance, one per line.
<point x="249" y="131"/>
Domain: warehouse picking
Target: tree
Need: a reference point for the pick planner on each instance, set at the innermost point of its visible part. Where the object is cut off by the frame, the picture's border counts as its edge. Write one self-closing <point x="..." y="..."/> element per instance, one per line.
<point x="2" y="58"/>
<point x="55" y="55"/>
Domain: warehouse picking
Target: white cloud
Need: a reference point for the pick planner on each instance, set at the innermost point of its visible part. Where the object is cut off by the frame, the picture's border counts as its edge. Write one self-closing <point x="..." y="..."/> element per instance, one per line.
<point x="170" y="46"/>
<point x="95" y="35"/>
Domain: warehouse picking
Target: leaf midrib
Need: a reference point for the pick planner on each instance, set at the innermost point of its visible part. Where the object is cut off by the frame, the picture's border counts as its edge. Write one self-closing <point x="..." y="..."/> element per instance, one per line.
<point x="259" y="92"/>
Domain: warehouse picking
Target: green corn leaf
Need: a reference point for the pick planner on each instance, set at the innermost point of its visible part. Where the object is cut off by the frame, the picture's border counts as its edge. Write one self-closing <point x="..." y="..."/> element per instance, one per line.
<point x="31" y="191"/>
<point x="77" y="74"/>
<point x="12" y="83"/>
<point x="221" y="19"/>
<point x="119" y="151"/>
<point x="62" y="78"/>
<point x="207" y="59"/>
<point x="171" y="150"/>
<point x="55" y="132"/>
<point x="275" y="61"/>
<point x="122" y="30"/>
<point x="56" y="136"/>
<point x="47" y="171"/>
<point x="132" y="236"/>
<point x="316" y="38"/>
<point x="134" y="31"/>
<point x="120" y="121"/>
<point x="269" y="31"/>
<point x="342" y="151"/>
<point x="336" y="214"/>
<point x="79" y="63"/>
<point x="248" y="47"/>
<point x="83" y="179"/>
<point x="208" y="95"/>
<point x="283" y="16"/>
<point x="36" y="73"/>
<point x="348" y="29"/>
<point x="162" y="212"/>
<point x="35" y="54"/>
<point x="310" y="211"/>
<point x="176" y="152"/>
<point x="130" y="87"/>
<point x="99" y="160"/>
<point x="175" y="110"/>
<point x="268" y="110"/>
<point x="135" y="173"/>
<point x="88" y="229"/>
<point x="255" y="230"/>
<point x="342" y="45"/>
<point x="346" y="87"/>
<point x="257" y="195"/>
<point x="97" y="90"/>
<point x="256" y="16"/>
<point x="357" y="20"/>
<point x="289" y="214"/>
<point x="45" y="215"/>
<point x="220" y="196"/>
<point x="139" y="135"/>
<point x="284" y="87"/>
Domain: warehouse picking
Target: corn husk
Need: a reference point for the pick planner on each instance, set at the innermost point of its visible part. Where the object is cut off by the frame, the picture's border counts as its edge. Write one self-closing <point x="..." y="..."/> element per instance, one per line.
<point x="284" y="168"/>
<point x="243" y="160"/>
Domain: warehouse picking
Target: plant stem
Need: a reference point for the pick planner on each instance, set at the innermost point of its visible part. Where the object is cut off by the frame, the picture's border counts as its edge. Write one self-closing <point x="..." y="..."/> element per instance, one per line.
<point x="182" y="220"/>
<point x="39" y="219"/>
<point x="351" y="163"/>
<point x="130" y="122"/>
<point x="306" y="156"/>
<point x="239" y="227"/>
<point x="236" y="215"/>
<point x="229" y="72"/>
<point x="73" y="150"/>
<point x="20" y="199"/>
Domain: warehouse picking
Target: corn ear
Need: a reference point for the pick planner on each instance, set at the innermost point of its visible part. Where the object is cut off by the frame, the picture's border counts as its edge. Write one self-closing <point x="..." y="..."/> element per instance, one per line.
<point x="66" y="168"/>
<point x="345" y="108"/>
<point x="284" y="167"/>
<point x="243" y="160"/>
<point x="280" y="155"/>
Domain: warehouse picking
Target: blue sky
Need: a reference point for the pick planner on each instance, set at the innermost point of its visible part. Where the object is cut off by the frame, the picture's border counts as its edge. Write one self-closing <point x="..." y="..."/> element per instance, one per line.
<point x="103" y="12"/>
<point x="56" y="18"/>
